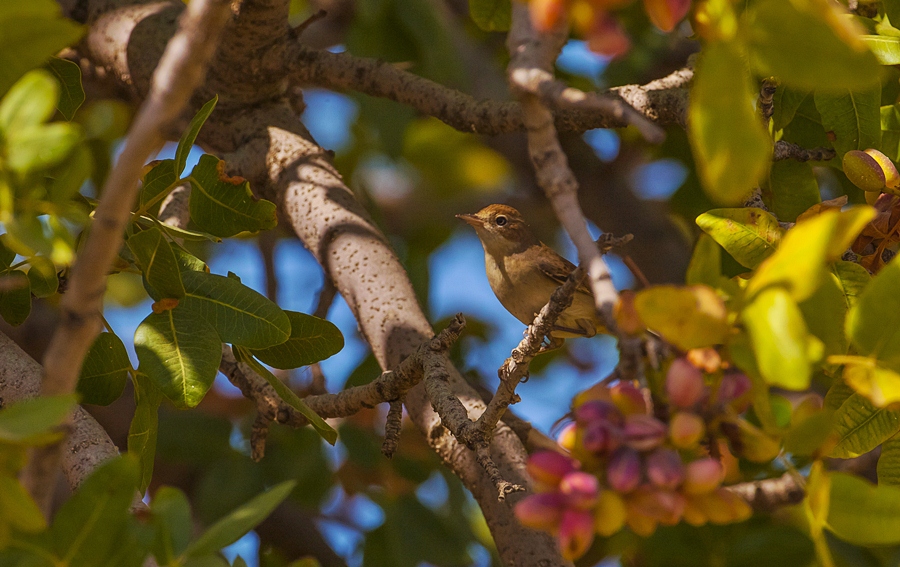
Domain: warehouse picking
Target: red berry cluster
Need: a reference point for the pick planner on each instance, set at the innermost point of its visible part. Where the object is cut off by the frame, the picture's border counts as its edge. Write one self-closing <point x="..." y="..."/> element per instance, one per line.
<point x="631" y="467"/>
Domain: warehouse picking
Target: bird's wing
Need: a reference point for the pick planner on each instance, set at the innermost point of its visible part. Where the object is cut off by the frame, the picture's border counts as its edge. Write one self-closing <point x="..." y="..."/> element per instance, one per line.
<point x="557" y="268"/>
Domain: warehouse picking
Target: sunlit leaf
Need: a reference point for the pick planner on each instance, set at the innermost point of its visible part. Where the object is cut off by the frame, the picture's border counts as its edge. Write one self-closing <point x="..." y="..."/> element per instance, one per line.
<point x="879" y="385"/>
<point x="156" y="180"/>
<point x="39" y="147"/>
<point x="105" y="371"/>
<point x="732" y="149"/>
<point x="886" y="49"/>
<point x="239" y="314"/>
<point x="706" y="263"/>
<point x="749" y="234"/>
<point x="688" y="317"/>
<point x="223" y="205"/>
<point x="784" y="349"/>
<point x="180" y="352"/>
<point x="861" y="427"/>
<point x="800" y="263"/>
<point x="312" y="339"/>
<point x="826" y="55"/>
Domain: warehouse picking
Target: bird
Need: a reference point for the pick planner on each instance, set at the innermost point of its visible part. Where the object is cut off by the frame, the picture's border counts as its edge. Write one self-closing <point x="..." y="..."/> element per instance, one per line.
<point x="523" y="272"/>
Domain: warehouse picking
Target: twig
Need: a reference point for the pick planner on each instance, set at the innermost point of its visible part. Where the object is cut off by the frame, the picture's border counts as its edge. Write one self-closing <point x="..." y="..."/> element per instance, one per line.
<point x="663" y="101"/>
<point x="770" y="494"/>
<point x="787" y="150"/>
<point x="392" y="426"/>
<point x="266" y="242"/>
<point x="390" y="386"/>
<point x="181" y="69"/>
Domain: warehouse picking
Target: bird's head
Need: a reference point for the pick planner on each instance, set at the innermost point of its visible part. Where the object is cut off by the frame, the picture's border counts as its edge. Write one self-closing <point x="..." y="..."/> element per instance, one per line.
<point x="502" y="229"/>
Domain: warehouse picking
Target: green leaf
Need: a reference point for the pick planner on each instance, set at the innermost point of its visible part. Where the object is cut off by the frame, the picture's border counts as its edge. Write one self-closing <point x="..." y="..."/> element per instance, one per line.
<point x="172" y="518"/>
<point x="853" y="116"/>
<point x="75" y="172"/>
<point x="227" y="530"/>
<point x="807" y="437"/>
<point x="889" y="462"/>
<point x="287" y="395"/>
<point x="30" y="102"/>
<point x="800" y="263"/>
<point x="861" y="427"/>
<point x="42" y="277"/>
<point x="787" y="102"/>
<point x="886" y="49"/>
<point x="105" y="371"/>
<point x="15" y="297"/>
<point x="873" y="324"/>
<point x="17" y="509"/>
<point x="851" y="279"/>
<point x="791" y="189"/>
<point x="190" y="135"/>
<point x="731" y="148"/>
<point x="824" y="56"/>
<point x="312" y="339"/>
<point x="824" y="312"/>
<point x="39" y="147"/>
<point x="688" y="317"/>
<point x="225" y="206"/>
<point x="890" y="131"/>
<point x="865" y="375"/>
<point x="33" y="421"/>
<point x="7" y="256"/>
<point x="144" y="427"/>
<point x="749" y="234"/>
<point x="88" y="527"/>
<point x="862" y="513"/>
<point x="180" y="352"/>
<point x="491" y="15"/>
<point x="783" y="347"/>
<point x="159" y="179"/>
<point x="28" y="37"/>
<point x="705" y="266"/>
<point x="239" y="314"/>
<point x="157" y="260"/>
<point x="68" y="75"/>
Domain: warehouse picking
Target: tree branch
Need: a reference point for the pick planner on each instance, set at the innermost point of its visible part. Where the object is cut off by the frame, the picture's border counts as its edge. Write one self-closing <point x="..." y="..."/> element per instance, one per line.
<point x="180" y="71"/>
<point x="663" y="101"/>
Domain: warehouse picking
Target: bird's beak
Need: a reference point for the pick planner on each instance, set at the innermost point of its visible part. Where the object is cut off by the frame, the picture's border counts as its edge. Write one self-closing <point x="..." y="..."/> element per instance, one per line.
<point x="471" y="219"/>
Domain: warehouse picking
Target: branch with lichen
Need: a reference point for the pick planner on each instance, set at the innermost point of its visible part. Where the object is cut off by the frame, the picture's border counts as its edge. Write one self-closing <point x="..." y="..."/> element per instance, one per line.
<point x="787" y="150"/>
<point x="388" y="387"/>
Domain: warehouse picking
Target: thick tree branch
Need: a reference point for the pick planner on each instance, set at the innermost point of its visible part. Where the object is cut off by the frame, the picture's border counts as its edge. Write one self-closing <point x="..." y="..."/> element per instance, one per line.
<point x="180" y="71"/>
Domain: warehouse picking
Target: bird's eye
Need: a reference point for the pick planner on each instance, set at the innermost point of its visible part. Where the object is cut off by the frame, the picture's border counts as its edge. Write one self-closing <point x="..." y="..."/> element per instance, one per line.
<point x="501" y="220"/>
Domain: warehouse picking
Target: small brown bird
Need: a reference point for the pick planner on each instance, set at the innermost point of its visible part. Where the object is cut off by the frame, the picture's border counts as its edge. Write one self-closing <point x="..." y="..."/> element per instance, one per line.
<point x="524" y="272"/>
